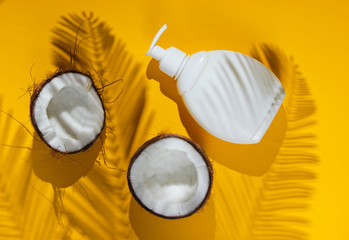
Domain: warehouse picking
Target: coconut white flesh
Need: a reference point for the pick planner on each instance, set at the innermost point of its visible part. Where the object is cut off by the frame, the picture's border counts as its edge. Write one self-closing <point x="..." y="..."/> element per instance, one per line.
<point x="68" y="112"/>
<point x="170" y="177"/>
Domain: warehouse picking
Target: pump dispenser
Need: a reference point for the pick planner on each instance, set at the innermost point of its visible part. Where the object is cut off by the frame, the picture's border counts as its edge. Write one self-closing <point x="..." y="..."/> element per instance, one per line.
<point x="171" y="59"/>
<point x="231" y="95"/>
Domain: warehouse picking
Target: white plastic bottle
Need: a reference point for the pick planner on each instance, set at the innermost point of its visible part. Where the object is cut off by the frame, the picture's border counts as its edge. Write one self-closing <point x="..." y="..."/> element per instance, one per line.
<point x="232" y="96"/>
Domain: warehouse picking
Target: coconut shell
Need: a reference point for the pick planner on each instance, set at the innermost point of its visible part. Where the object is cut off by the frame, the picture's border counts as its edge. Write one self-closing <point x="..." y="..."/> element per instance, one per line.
<point x="36" y="94"/>
<point x="196" y="147"/>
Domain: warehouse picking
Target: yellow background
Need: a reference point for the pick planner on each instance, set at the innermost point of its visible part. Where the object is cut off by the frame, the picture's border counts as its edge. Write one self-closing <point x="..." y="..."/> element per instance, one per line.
<point x="315" y="33"/>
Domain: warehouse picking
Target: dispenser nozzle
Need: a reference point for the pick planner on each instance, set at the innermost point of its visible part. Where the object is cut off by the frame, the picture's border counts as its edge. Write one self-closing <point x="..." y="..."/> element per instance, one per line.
<point x="154" y="50"/>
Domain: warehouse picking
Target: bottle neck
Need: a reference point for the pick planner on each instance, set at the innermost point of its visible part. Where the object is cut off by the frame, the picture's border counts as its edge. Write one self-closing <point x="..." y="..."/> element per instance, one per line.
<point x="181" y="67"/>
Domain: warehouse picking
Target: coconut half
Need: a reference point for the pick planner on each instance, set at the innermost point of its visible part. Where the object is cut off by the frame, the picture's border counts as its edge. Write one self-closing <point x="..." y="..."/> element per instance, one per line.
<point x="67" y="112"/>
<point x="170" y="176"/>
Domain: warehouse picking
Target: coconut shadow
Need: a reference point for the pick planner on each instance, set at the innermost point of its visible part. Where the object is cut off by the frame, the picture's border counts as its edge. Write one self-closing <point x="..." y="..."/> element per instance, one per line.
<point x="63" y="170"/>
<point x="200" y="225"/>
<point x="251" y="159"/>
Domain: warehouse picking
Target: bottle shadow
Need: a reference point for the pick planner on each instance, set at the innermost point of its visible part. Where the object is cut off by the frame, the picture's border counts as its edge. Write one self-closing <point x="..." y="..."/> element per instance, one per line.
<point x="251" y="159"/>
<point x="200" y="225"/>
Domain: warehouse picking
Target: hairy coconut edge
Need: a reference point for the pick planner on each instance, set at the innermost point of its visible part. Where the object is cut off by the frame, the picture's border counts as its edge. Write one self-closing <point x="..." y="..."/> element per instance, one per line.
<point x="35" y="95"/>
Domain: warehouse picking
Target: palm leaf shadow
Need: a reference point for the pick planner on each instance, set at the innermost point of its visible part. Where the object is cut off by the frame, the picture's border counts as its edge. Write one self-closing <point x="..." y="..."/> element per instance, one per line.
<point x="272" y="207"/>
<point x="288" y="186"/>
<point x="23" y="200"/>
<point x="97" y="206"/>
<point x="10" y="221"/>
